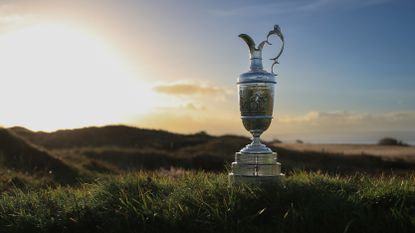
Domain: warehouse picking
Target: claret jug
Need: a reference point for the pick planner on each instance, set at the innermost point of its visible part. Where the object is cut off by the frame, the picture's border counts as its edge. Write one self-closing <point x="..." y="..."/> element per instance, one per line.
<point x="256" y="163"/>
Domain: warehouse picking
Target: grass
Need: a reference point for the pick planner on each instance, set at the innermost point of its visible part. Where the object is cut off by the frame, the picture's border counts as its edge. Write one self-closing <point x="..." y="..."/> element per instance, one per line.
<point x="86" y="180"/>
<point x="182" y="201"/>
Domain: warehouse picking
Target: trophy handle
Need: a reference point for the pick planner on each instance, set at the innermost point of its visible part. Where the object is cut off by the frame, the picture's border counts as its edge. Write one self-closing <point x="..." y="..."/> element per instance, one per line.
<point x="275" y="31"/>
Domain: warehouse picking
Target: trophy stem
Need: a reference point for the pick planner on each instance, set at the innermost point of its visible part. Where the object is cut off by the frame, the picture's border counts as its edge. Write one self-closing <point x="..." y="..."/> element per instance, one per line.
<point x="256" y="147"/>
<point x="256" y="138"/>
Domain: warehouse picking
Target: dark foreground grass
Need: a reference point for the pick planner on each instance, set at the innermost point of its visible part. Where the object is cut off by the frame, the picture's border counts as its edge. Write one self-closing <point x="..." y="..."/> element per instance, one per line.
<point x="202" y="202"/>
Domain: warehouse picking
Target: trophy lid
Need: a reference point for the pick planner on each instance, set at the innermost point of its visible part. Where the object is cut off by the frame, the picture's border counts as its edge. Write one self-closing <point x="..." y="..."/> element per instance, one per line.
<point x="257" y="74"/>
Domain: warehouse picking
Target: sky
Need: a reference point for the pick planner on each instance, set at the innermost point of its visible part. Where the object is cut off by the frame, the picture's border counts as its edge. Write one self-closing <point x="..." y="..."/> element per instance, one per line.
<point x="346" y="74"/>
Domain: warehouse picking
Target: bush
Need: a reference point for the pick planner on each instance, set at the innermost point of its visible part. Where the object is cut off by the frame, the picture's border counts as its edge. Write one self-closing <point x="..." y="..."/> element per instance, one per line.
<point x="275" y="141"/>
<point x="391" y="142"/>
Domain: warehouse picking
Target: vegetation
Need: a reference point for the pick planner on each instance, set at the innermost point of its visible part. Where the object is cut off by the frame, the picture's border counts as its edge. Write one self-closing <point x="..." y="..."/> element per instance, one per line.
<point x="80" y="155"/>
<point x="391" y="142"/>
<point x="111" y="136"/>
<point x="384" y="152"/>
<point x="202" y="202"/>
<point x="124" y="179"/>
<point x="275" y="141"/>
<point x="23" y="157"/>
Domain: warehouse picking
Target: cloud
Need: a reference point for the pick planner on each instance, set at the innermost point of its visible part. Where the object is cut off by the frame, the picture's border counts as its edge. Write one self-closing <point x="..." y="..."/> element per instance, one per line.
<point x="345" y="126"/>
<point x="12" y="17"/>
<point x="284" y="7"/>
<point x="317" y="118"/>
<point x="402" y="120"/>
<point x="194" y="107"/>
<point x="190" y="122"/>
<point x="8" y="14"/>
<point x="189" y="89"/>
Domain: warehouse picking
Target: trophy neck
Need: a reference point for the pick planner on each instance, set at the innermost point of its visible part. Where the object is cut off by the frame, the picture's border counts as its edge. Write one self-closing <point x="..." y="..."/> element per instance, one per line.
<point x="256" y="64"/>
<point x="256" y="60"/>
<point x="255" y="52"/>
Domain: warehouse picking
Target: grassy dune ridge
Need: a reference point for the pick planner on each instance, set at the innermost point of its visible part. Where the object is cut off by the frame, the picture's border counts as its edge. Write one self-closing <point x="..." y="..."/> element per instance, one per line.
<point x="183" y="201"/>
<point x="21" y="157"/>
<point x="80" y="155"/>
<point x="125" y="179"/>
<point x="117" y="148"/>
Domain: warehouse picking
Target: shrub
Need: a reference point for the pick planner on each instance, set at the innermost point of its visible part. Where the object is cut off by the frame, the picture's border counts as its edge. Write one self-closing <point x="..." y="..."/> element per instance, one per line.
<point x="391" y="142"/>
<point x="275" y="141"/>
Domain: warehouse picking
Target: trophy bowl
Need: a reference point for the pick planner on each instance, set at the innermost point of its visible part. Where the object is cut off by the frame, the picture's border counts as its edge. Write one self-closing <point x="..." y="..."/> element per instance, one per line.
<point x="256" y="102"/>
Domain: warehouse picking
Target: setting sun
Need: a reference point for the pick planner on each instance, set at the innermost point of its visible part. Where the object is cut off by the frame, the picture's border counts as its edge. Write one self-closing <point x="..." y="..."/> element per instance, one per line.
<point x="54" y="76"/>
<point x="173" y="65"/>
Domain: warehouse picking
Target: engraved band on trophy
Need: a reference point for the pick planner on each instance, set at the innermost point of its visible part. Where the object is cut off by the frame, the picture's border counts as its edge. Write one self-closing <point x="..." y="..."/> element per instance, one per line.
<point x="256" y="163"/>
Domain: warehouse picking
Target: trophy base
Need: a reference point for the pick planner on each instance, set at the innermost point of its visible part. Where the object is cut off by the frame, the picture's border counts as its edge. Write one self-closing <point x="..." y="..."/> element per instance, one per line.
<point x="255" y="169"/>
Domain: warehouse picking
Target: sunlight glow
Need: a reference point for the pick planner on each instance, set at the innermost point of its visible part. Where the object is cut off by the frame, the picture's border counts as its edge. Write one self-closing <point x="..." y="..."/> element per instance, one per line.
<point x="57" y="76"/>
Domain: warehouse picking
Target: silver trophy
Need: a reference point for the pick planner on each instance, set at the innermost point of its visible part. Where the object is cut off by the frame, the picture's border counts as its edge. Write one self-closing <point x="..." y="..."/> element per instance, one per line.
<point x="256" y="163"/>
